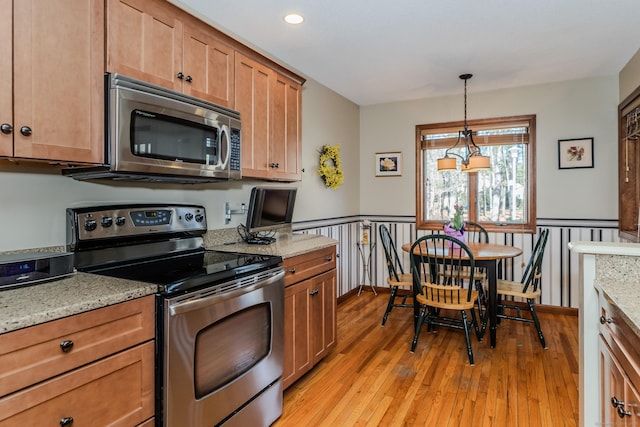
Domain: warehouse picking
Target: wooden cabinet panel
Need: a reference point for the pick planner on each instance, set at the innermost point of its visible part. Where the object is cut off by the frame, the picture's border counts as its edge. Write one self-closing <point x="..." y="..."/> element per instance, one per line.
<point x="297" y="355"/>
<point x="285" y="138"/>
<point x="210" y="65"/>
<point x="58" y="67"/>
<point x="153" y="41"/>
<point x="116" y="391"/>
<point x="6" y="75"/>
<point x="323" y="314"/>
<point x="252" y="101"/>
<point x="309" y="311"/>
<point x="628" y="171"/>
<point x="33" y="354"/>
<point x="307" y="265"/>
<point x="144" y="41"/>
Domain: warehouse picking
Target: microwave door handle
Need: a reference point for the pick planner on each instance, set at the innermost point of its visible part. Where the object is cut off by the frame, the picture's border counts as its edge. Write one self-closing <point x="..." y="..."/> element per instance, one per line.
<point x="224" y="131"/>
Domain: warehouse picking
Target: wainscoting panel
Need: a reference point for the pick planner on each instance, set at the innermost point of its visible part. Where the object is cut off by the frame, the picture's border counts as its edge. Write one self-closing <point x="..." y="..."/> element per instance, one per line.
<point x="560" y="273"/>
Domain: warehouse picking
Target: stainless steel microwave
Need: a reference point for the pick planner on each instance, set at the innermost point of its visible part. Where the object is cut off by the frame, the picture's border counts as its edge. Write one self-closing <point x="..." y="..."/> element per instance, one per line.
<point x="156" y="134"/>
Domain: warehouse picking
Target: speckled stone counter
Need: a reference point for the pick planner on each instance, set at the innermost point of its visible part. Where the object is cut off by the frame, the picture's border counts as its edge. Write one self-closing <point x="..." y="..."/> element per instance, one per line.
<point x="286" y="246"/>
<point x="614" y="269"/>
<point x="32" y="305"/>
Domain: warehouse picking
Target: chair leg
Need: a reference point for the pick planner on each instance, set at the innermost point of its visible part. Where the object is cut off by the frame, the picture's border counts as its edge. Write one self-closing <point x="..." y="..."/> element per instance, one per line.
<point x="536" y="321"/>
<point x="423" y="310"/>
<point x="392" y="298"/>
<point x="467" y="337"/>
<point x="476" y="326"/>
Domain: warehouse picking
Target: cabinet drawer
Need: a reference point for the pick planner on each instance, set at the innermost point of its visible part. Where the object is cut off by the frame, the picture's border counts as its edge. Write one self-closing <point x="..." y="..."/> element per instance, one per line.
<point x="308" y="265"/>
<point x="33" y="354"/>
<point x="116" y="391"/>
<point x="622" y="340"/>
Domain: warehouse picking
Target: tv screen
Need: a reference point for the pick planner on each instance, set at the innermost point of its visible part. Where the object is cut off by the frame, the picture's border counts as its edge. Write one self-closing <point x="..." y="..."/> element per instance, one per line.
<point x="270" y="208"/>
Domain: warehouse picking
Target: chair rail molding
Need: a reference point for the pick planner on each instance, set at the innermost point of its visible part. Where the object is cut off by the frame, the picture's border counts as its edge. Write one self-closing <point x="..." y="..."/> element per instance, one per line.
<point x="560" y="279"/>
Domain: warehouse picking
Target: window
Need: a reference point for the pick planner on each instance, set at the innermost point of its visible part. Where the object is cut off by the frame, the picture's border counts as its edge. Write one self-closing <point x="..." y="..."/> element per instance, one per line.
<point x="501" y="199"/>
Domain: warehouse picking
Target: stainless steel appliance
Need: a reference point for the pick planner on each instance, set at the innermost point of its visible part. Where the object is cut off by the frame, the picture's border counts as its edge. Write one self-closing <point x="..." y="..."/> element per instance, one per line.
<point x="220" y="322"/>
<point x="155" y="134"/>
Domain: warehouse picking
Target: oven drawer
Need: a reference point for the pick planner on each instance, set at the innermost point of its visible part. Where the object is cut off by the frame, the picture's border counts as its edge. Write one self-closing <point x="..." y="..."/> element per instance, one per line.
<point x="115" y="391"/>
<point x="33" y="354"/>
<point x="311" y="264"/>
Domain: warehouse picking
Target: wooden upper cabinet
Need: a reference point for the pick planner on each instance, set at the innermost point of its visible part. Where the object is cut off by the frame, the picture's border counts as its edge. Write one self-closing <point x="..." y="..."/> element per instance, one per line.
<point x="57" y="78"/>
<point x="285" y="136"/>
<point x="6" y="77"/>
<point x="269" y="106"/>
<point x="629" y="169"/>
<point x="210" y="65"/>
<point x="153" y="41"/>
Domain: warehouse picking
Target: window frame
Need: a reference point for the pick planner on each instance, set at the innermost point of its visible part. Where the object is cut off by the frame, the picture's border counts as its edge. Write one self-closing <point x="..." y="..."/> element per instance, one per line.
<point x="530" y="225"/>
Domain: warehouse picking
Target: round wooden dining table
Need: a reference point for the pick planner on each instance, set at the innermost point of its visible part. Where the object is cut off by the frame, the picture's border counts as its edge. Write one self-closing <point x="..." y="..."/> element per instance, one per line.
<point x="488" y="256"/>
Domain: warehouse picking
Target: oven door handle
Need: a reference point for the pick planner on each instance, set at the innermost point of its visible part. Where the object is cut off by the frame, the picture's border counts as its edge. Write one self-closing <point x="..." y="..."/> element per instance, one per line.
<point x="198" y="302"/>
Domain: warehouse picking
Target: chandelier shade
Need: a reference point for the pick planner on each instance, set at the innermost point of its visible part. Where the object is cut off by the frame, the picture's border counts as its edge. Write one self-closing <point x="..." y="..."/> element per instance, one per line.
<point x="472" y="159"/>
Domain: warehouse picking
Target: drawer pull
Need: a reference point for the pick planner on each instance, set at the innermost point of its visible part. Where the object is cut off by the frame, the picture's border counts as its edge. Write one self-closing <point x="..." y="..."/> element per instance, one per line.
<point x="66" y="421"/>
<point x="329" y="258"/>
<point x="292" y="270"/>
<point x="314" y="292"/>
<point x="66" y="347"/>
<point x="604" y="320"/>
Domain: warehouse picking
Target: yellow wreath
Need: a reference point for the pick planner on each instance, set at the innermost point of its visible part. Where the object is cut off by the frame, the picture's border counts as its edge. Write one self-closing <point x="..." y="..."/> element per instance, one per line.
<point x="330" y="170"/>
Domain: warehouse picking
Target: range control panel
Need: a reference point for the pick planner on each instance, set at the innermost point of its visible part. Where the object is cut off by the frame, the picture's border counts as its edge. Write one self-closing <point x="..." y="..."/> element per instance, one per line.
<point x="103" y="222"/>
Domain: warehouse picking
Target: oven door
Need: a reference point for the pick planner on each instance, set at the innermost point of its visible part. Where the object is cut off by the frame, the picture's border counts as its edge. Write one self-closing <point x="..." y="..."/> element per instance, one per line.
<point x="223" y="354"/>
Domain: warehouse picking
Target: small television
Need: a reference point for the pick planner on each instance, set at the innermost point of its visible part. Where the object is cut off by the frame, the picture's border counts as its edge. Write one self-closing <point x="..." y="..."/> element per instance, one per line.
<point x="270" y="208"/>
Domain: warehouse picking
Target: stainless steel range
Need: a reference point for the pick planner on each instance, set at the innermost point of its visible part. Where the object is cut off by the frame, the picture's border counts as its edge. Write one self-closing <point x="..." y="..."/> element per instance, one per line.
<point x="219" y="315"/>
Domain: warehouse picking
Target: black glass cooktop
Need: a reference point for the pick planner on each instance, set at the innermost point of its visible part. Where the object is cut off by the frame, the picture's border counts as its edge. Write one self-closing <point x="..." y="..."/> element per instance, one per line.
<point x="186" y="272"/>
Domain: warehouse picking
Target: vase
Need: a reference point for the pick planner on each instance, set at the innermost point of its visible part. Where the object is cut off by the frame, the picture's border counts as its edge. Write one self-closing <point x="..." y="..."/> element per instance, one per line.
<point x="458" y="234"/>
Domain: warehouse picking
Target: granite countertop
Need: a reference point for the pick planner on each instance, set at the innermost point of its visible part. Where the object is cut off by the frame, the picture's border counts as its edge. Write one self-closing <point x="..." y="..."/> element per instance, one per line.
<point x="80" y="292"/>
<point x="286" y="246"/>
<point x="625" y="296"/>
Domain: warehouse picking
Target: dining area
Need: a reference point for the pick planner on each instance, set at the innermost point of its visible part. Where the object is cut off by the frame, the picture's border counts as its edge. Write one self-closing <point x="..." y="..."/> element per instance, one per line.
<point x="458" y="282"/>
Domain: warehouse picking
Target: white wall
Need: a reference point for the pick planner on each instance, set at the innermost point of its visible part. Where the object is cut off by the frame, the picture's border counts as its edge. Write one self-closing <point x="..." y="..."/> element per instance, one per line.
<point x="33" y="200"/>
<point x="572" y="109"/>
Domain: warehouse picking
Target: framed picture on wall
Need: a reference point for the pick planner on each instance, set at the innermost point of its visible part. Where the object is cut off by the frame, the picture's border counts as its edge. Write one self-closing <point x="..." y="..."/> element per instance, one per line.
<point x="575" y="153"/>
<point x="389" y="164"/>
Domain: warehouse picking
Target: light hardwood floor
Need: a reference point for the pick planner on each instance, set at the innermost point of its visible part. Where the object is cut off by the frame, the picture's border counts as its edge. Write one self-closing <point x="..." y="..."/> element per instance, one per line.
<point x="371" y="378"/>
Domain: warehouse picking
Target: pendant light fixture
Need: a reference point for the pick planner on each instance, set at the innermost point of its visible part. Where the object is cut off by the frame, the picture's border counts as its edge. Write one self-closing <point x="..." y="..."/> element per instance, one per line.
<point x="472" y="160"/>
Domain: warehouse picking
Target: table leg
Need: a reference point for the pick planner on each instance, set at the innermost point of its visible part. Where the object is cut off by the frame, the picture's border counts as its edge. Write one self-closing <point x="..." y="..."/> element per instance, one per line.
<point x="493" y="302"/>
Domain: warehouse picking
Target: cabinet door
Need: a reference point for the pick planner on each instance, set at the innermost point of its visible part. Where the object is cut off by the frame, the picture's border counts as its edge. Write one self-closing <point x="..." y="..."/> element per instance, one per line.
<point x="58" y="80"/>
<point x="144" y="41"/>
<point x="297" y="358"/>
<point x="209" y="65"/>
<point x="632" y="400"/>
<point x="612" y="386"/>
<point x="252" y="101"/>
<point x="6" y="79"/>
<point x="285" y="136"/>
<point x="322" y="290"/>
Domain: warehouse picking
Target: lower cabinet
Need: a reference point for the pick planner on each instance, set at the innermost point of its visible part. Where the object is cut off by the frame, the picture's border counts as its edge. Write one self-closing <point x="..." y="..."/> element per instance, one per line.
<point x="619" y="375"/>
<point x="94" y="368"/>
<point x="309" y="311"/>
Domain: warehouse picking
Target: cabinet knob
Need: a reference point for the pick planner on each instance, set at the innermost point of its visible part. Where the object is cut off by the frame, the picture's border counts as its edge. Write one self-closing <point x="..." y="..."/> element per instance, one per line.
<point x="6" y="128"/>
<point x="66" y="421"/>
<point x="25" y="130"/>
<point x="189" y="79"/>
<point x="622" y="413"/>
<point x="66" y="346"/>
<point x="329" y="258"/>
<point x="292" y="270"/>
<point x="180" y="75"/>
<point x="604" y="320"/>
<point x="314" y="292"/>
<point x="616" y="403"/>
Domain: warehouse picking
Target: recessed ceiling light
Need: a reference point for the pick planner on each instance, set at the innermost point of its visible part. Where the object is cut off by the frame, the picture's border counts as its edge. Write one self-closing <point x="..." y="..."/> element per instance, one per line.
<point x="293" y="18"/>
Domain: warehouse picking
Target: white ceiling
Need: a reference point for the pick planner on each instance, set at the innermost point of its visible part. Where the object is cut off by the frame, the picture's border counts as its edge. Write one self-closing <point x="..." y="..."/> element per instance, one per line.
<point x="374" y="52"/>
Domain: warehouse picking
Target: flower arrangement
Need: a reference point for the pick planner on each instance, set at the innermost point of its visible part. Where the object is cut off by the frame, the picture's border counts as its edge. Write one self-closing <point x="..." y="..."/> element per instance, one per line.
<point x="330" y="170"/>
<point x="457" y="222"/>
